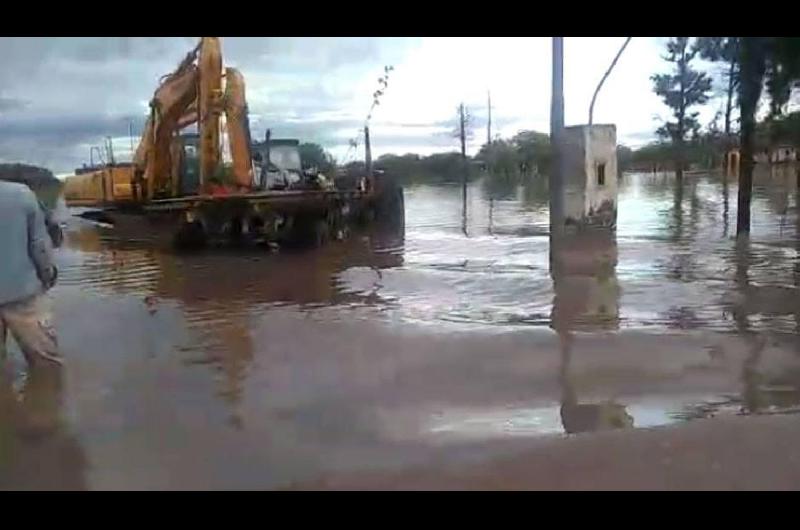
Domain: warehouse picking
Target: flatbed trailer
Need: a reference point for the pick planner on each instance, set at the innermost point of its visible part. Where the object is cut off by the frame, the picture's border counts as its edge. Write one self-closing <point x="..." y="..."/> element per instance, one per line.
<point x="286" y="200"/>
<point x="284" y="217"/>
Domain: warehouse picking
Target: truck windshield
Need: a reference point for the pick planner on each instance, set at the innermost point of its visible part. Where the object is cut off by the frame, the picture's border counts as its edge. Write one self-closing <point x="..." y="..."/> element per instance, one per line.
<point x="285" y="157"/>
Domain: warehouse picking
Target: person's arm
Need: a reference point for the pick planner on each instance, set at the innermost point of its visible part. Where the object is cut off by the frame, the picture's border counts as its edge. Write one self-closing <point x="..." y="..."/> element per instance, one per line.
<point x="40" y="248"/>
<point x="56" y="235"/>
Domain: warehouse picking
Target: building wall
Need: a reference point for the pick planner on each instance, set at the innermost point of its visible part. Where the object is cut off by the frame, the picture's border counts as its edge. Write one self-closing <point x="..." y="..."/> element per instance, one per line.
<point x="574" y="164"/>
<point x="587" y="201"/>
<point x="602" y="149"/>
<point x="783" y="154"/>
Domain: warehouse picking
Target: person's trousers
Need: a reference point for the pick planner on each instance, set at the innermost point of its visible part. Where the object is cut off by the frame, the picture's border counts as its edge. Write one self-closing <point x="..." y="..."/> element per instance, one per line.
<point x="30" y="323"/>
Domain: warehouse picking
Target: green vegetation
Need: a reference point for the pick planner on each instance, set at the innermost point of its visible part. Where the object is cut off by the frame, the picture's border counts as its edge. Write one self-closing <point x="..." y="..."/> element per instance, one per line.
<point x="524" y="156"/>
<point x="770" y="61"/>
<point x="314" y="156"/>
<point x="724" y="50"/>
<point x="438" y="167"/>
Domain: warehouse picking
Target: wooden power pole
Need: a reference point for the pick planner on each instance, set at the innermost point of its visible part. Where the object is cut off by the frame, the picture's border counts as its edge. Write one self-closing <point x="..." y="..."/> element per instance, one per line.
<point x="489" y="124"/>
<point x="368" y="156"/>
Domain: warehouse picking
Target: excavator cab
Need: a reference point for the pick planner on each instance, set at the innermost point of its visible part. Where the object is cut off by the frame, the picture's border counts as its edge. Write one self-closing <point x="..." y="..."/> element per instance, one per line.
<point x="190" y="164"/>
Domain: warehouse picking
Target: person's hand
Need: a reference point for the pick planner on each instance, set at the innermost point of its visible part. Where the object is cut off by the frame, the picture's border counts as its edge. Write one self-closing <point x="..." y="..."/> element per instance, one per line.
<point x="52" y="280"/>
<point x="56" y="234"/>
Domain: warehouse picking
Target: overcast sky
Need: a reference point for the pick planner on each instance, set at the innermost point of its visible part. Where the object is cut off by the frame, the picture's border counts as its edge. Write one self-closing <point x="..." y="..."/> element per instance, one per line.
<point x="60" y="96"/>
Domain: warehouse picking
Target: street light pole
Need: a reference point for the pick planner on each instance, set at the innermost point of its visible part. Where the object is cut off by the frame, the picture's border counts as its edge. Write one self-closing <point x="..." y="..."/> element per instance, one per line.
<point x="556" y="180"/>
<point x="605" y="76"/>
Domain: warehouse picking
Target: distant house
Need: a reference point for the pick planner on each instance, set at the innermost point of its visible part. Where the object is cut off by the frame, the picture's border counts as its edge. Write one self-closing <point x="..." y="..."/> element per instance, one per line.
<point x="777" y="155"/>
<point x="761" y="157"/>
<point x="783" y="153"/>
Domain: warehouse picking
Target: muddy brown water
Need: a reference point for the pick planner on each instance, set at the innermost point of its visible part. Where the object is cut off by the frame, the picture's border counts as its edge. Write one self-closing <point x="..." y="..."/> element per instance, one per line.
<point x="448" y="341"/>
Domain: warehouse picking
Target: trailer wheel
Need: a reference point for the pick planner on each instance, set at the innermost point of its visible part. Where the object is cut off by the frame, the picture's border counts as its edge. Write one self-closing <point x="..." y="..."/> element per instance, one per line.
<point x="321" y="233"/>
<point x="190" y="236"/>
<point x="390" y="204"/>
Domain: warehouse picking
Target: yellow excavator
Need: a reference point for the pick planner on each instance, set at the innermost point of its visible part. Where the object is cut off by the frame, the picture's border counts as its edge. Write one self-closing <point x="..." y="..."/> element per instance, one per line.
<point x="178" y="185"/>
<point x="198" y="91"/>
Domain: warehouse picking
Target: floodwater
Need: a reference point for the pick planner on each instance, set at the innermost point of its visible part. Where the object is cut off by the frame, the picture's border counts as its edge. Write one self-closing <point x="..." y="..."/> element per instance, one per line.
<point x="448" y="341"/>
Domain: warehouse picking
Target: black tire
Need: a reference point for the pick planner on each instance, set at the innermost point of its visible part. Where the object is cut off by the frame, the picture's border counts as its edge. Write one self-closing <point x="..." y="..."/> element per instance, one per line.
<point x="190" y="236"/>
<point x="321" y="233"/>
<point x="310" y="231"/>
<point x="390" y="205"/>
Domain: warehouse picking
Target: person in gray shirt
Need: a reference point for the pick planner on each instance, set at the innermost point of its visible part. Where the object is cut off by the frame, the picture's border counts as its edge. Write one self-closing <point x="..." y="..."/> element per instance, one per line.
<point x="27" y="272"/>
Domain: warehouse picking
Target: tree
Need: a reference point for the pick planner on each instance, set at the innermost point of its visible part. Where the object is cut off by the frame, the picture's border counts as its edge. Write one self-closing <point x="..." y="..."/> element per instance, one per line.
<point x="624" y="158"/>
<point x="681" y="90"/>
<point x="725" y="50"/>
<point x="783" y="129"/>
<point x="502" y="157"/>
<point x="463" y="130"/>
<point x="438" y="167"/>
<point x="533" y="149"/>
<point x="314" y="156"/>
<point x="776" y="60"/>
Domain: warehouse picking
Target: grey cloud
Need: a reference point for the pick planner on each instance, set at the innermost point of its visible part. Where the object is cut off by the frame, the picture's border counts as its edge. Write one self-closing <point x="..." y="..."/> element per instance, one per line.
<point x="12" y="104"/>
<point x="636" y="138"/>
<point x="67" y="127"/>
<point x="59" y="143"/>
<point x="61" y="94"/>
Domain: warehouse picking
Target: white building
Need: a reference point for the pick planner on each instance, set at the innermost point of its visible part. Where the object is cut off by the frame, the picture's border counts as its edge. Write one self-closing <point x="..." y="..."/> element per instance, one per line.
<point x="590" y="175"/>
<point x="783" y="153"/>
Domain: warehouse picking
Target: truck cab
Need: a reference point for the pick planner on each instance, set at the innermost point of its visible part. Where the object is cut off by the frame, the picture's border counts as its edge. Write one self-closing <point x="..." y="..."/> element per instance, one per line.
<point x="277" y="164"/>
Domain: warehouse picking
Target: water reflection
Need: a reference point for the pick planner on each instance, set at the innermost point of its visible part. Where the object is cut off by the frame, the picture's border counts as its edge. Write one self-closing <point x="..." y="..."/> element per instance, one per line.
<point x="586" y="299"/>
<point x="37" y="452"/>
<point x="347" y="353"/>
<point x="222" y="294"/>
<point x="763" y="387"/>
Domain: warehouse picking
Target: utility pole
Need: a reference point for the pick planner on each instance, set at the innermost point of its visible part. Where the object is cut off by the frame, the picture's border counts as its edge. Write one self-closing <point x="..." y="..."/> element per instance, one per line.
<point x="489" y="124"/>
<point x="462" y="132"/>
<point x="463" y="136"/>
<point x="130" y="133"/>
<point x="110" y="149"/>
<point x="556" y="128"/>
<point x="266" y="162"/>
<point x="368" y="156"/>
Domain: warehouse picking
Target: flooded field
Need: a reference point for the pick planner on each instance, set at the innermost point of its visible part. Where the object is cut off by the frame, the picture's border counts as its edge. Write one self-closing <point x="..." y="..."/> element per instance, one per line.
<point x="448" y="341"/>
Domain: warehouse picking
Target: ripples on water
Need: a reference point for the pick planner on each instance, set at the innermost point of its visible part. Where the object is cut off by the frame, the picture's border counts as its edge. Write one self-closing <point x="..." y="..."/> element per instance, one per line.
<point x="432" y="331"/>
<point x="677" y="261"/>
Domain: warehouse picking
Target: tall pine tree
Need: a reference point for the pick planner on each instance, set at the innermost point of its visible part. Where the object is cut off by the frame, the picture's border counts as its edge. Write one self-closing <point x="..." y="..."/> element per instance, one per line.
<point x="724" y="50"/>
<point x="775" y="60"/>
<point x="681" y="90"/>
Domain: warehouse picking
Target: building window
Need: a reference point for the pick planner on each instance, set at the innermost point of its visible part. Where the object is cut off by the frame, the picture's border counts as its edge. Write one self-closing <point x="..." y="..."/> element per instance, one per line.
<point x="601" y="174"/>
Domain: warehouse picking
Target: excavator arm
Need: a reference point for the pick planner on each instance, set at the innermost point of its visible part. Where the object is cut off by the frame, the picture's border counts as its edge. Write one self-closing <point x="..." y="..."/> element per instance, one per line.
<point x="194" y="94"/>
<point x="152" y="160"/>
